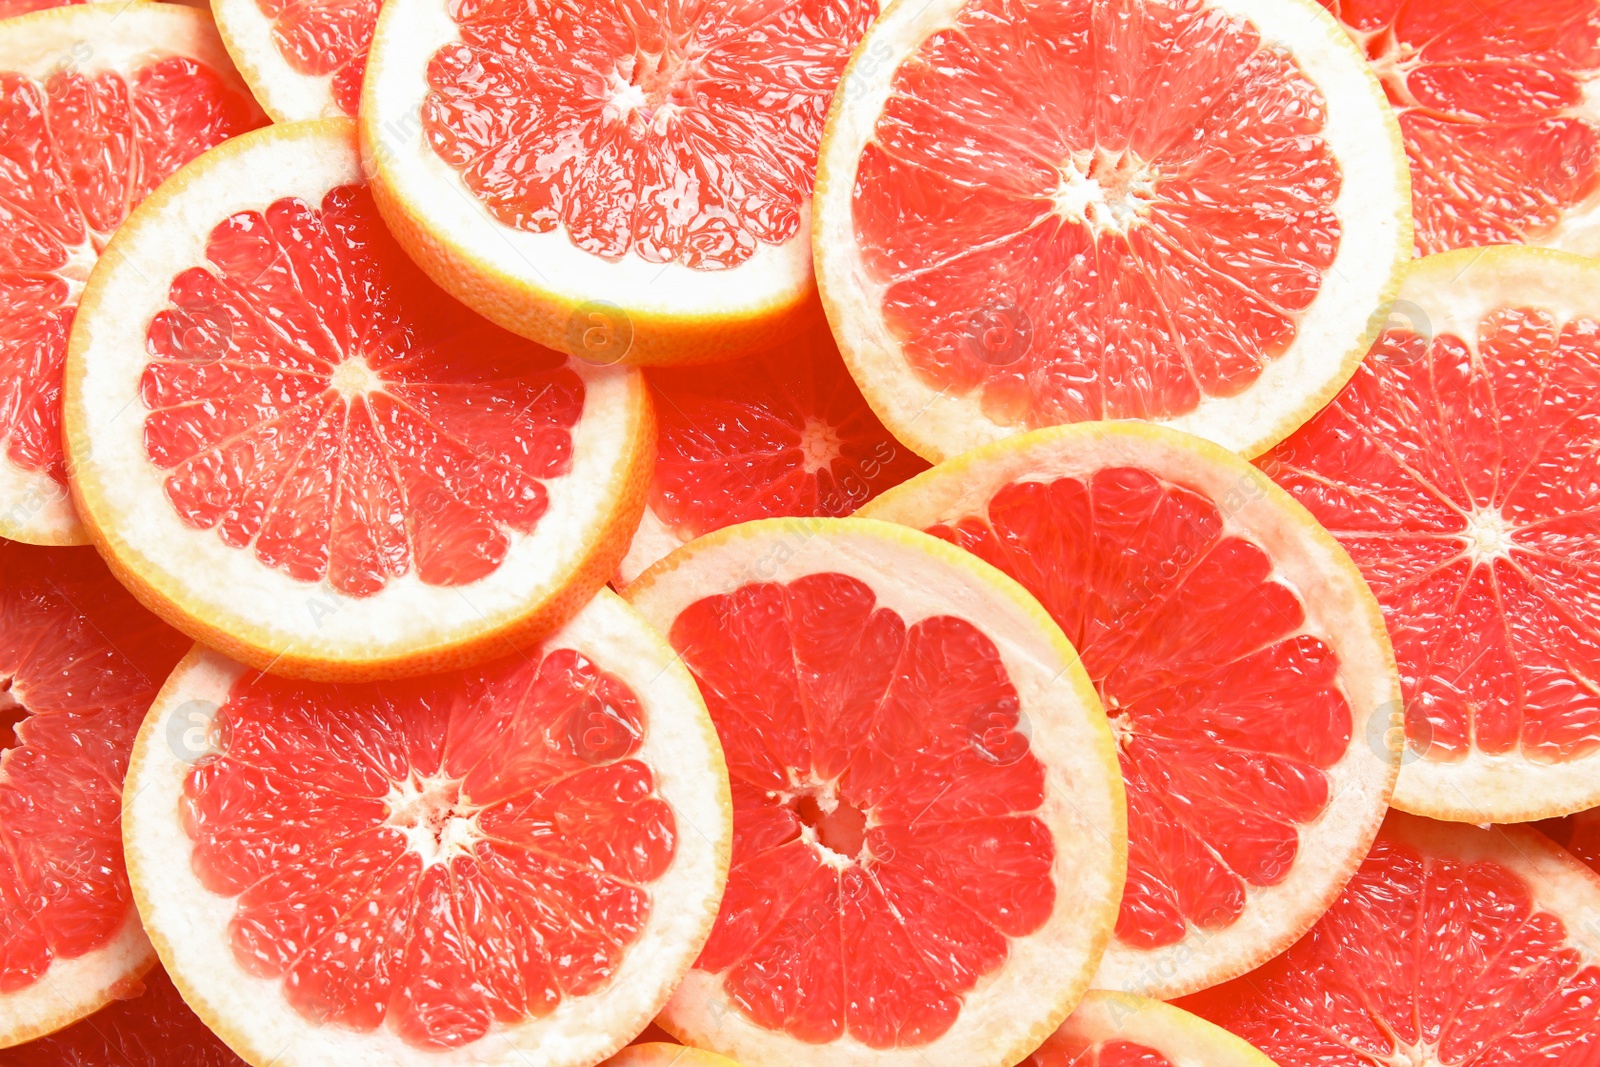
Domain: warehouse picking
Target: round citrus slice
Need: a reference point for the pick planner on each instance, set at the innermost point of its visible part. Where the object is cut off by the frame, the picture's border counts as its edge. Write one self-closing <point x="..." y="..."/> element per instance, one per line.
<point x="1452" y="945"/>
<point x="928" y="817"/>
<point x="1494" y="104"/>
<point x="98" y="104"/>
<point x="1119" y="1030"/>
<point x="302" y="58"/>
<point x="1035" y="212"/>
<point x="666" y="1054"/>
<point x="785" y="432"/>
<point x="1459" y="468"/>
<point x="80" y="662"/>
<point x="627" y="182"/>
<point x="300" y="452"/>
<point x="506" y="865"/>
<point x="150" y="1026"/>
<point x="1239" y="655"/>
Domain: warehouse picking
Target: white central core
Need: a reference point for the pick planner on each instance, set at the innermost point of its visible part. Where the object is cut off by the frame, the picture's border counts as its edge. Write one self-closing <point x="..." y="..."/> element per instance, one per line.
<point x="820" y="445"/>
<point x="1392" y="60"/>
<point x="1488" y="535"/>
<point x="354" y="378"/>
<point x="1108" y="191"/>
<point x="1413" y="1056"/>
<point x="436" y="820"/>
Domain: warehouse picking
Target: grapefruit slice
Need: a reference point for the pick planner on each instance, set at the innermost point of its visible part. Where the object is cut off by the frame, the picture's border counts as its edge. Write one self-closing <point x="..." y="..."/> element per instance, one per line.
<point x="1459" y="468"/>
<point x="508" y="865"/>
<point x="784" y="432"/>
<point x="928" y="818"/>
<point x="1119" y="1030"/>
<point x="1452" y="945"/>
<point x="629" y="181"/>
<point x="80" y="662"/>
<point x="302" y="58"/>
<point x="150" y="1026"/>
<point x="665" y="1054"/>
<point x="1494" y="102"/>
<point x="296" y="449"/>
<point x="1035" y="212"/>
<point x="12" y="8"/>
<point x="98" y="104"/>
<point x="1578" y="833"/>
<point x="1239" y="654"/>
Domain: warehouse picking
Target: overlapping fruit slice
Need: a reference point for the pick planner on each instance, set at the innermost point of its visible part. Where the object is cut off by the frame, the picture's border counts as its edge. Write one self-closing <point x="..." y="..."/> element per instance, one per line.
<point x="1034" y="212"/>
<point x="1119" y="1030"/>
<point x="98" y="104"/>
<point x="928" y="821"/>
<point x="649" y="162"/>
<point x="1492" y="99"/>
<point x="1239" y="655"/>
<point x="80" y="662"/>
<point x="665" y="1054"/>
<point x="303" y="58"/>
<point x="147" y="1026"/>
<point x="301" y="452"/>
<point x="1452" y="945"/>
<point x="1461" y="469"/>
<point x="511" y="864"/>
<point x="785" y="432"/>
<point x="1578" y="833"/>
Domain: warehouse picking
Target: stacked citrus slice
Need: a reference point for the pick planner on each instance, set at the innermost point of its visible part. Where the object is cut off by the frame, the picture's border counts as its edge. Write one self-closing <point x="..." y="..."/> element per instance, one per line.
<point x="98" y="104"/>
<point x="928" y="818"/>
<point x="646" y="168"/>
<point x="1459" y="468"/>
<point x="1118" y="1030"/>
<point x="79" y="664"/>
<point x="513" y="863"/>
<point x="784" y="432"/>
<point x="1239" y="655"/>
<point x="303" y="58"/>
<point x="299" y="451"/>
<point x="1033" y="212"/>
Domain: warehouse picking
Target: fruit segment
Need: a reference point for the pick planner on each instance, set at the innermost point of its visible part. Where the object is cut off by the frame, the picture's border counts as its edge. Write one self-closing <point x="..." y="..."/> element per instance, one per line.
<point x="1118" y="1030"/>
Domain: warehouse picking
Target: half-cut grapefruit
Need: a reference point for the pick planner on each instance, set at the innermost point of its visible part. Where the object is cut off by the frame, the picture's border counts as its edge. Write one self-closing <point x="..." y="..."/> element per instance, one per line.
<point x="507" y="865"/>
<point x="98" y="104"/>
<point x="303" y="58"/>
<point x="1120" y="1030"/>
<point x="1239" y="654"/>
<point x="300" y="452"/>
<point x="1459" y="468"/>
<point x="149" y="1025"/>
<point x="640" y="170"/>
<point x="929" y="838"/>
<point x="1452" y="945"/>
<point x="80" y="662"/>
<point x="1034" y="212"/>
<point x="784" y="432"/>
<point x="1496" y="103"/>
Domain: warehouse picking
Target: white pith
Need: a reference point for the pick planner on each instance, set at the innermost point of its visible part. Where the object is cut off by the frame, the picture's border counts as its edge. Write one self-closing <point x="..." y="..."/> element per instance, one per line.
<point x="1340" y="611"/>
<point x="407" y="35"/>
<point x="227" y="587"/>
<point x="90" y="39"/>
<point x="71" y="989"/>
<point x="285" y="93"/>
<point x="1373" y="208"/>
<point x="1450" y="294"/>
<point x="1012" y="1009"/>
<point x="1184" y="1039"/>
<point x="188" y="923"/>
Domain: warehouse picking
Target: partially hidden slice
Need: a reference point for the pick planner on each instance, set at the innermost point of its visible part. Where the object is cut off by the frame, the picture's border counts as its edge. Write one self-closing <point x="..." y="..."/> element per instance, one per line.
<point x="929" y="838"/>
<point x="98" y="104"/>
<point x="641" y="169"/>
<point x="1120" y="1030"/>
<point x="509" y="865"/>
<point x="296" y="449"/>
<point x="664" y="1054"/>
<point x="303" y="58"/>
<point x="80" y="662"/>
<point x="1452" y="945"/>
<point x="783" y="432"/>
<point x="1461" y="469"/>
<point x="1493" y="98"/>
<point x="149" y="1025"/>
<point x="1578" y="833"/>
<point x="1239" y="655"/>
<point x="1035" y="212"/>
